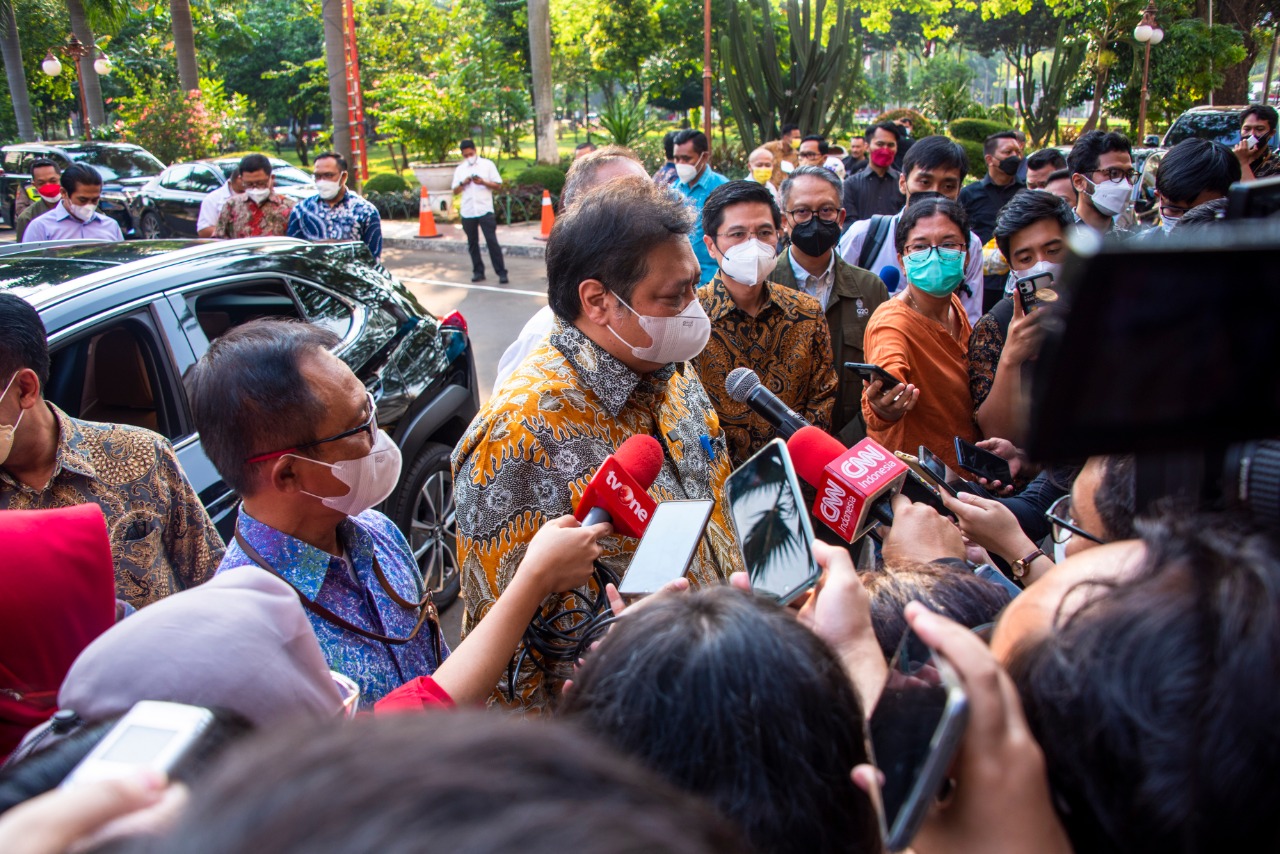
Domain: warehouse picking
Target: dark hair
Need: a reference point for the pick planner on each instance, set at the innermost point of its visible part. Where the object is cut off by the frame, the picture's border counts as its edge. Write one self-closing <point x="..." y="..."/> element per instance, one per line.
<point x="79" y="173"/>
<point x="585" y="146"/>
<point x="784" y="192"/>
<point x="697" y="137"/>
<point x="1195" y="165"/>
<point x="1116" y="499"/>
<point x="235" y="173"/>
<point x="1205" y="214"/>
<point x="1154" y="704"/>
<point x="255" y="163"/>
<point x="332" y="155"/>
<point x="991" y="143"/>
<point x="445" y="781"/>
<point x="669" y="144"/>
<point x="1058" y="175"/>
<point x="956" y="593"/>
<point x="465" y="144"/>
<point x="925" y="208"/>
<point x="1047" y="157"/>
<point x="728" y="697"/>
<point x="1024" y="210"/>
<point x="40" y="163"/>
<point x="1263" y="111"/>
<point x="736" y="193"/>
<point x="1089" y="148"/>
<point x="248" y="395"/>
<point x="889" y="126"/>
<point x="23" y="340"/>
<point x="582" y="171"/>
<point x="935" y="152"/>
<point x="607" y="235"/>
<point x="816" y="137"/>
<point x="789" y="127"/>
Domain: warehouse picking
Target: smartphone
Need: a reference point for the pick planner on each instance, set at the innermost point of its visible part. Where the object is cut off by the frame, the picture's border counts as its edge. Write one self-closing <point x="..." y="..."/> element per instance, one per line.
<point x="773" y="526"/>
<point x="150" y="735"/>
<point x="1035" y="291"/>
<point x="871" y="373"/>
<point x="668" y="544"/>
<point x="916" y="729"/>
<point x="941" y="474"/>
<point x="987" y="572"/>
<point x="921" y="491"/>
<point x="982" y="462"/>
<point x="925" y="474"/>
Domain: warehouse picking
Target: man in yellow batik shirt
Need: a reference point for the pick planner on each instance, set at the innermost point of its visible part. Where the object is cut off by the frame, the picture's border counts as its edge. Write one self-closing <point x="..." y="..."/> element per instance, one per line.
<point x="620" y="279"/>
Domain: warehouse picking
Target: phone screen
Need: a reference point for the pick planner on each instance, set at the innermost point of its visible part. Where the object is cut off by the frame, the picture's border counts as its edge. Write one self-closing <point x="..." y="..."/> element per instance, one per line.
<point x="920" y="492"/>
<point x="915" y="731"/>
<point x="667" y="546"/>
<point x="773" y="524"/>
<point x="139" y="745"/>
<point x="944" y="475"/>
<point x="982" y="462"/>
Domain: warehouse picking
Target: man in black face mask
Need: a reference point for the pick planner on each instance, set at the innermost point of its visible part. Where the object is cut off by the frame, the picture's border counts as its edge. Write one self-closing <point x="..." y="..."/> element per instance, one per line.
<point x="811" y="201"/>
<point x="983" y="200"/>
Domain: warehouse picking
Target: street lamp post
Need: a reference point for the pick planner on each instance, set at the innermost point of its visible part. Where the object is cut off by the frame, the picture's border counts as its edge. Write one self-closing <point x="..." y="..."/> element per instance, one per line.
<point x="77" y="51"/>
<point x="1149" y="33"/>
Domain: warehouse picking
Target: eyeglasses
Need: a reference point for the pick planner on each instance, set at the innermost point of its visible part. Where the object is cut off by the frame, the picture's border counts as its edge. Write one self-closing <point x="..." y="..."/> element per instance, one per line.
<point x="1115" y="176"/>
<point x="946" y="251"/>
<point x="369" y="426"/>
<point x="738" y="235"/>
<point x="1172" y="211"/>
<point x="826" y="213"/>
<point x="810" y="155"/>
<point x="1062" y="525"/>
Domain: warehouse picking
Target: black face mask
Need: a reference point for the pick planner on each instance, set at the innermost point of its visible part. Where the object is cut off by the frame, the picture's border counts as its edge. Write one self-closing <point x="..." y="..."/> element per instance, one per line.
<point x="1009" y="165"/>
<point x="816" y="236"/>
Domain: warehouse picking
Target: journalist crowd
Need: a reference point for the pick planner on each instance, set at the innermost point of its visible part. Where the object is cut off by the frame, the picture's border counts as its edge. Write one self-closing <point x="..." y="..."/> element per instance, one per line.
<point x="1100" y="653"/>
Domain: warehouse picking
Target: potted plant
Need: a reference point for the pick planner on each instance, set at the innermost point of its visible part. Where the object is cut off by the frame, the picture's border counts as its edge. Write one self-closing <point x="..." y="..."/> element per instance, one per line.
<point x="429" y="116"/>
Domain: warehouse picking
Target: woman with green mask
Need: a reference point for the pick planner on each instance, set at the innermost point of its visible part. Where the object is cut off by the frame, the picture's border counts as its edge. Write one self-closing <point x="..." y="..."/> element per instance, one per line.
<point x="921" y="336"/>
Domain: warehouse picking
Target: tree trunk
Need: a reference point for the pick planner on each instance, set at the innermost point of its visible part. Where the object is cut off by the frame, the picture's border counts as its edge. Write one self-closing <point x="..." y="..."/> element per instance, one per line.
<point x="92" y="90"/>
<point x="1235" y="83"/>
<point x="544" y="121"/>
<point x="335" y="60"/>
<point x="1095" y="112"/>
<point x="184" y="44"/>
<point x="11" y="50"/>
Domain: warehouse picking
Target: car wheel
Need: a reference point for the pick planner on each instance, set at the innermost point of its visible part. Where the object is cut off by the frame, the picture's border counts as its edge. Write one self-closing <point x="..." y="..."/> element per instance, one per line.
<point x="424" y="509"/>
<point x="150" y="226"/>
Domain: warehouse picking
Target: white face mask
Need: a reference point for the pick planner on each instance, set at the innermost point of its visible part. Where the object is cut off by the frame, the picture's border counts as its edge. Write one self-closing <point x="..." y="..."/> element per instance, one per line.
<point x="1111" y="198"/>
<point x="675" y="339"/>
<point x="687" y="172"/>
<point x="328" y="190"/>
<point x="471" y="161"/>
<point x="258" y="194"/>
<point x="1169" y="223"/>
<point x="7" y="430"/>
<point x="84" y="213"/>
<point x="50" y="200"/>
<point x="371" y="477"/>
<point x="749" y="263"/>
<point x="1034" y="270"/>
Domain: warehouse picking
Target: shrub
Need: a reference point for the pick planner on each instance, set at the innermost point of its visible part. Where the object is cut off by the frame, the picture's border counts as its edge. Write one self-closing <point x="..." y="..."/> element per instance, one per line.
<point x="543" y="177"/>
<point x="976" y="130"/>
<point x="1002" y="113"/>
<point x="977" y="166"/>
<point x="920" y="126"/>
<point x="171" y="124"/>
<point x="385" y="182"/>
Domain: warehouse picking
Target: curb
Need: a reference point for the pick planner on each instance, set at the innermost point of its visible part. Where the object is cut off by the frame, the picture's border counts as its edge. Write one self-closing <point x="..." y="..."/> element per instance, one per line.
<point x="459" y="247"/>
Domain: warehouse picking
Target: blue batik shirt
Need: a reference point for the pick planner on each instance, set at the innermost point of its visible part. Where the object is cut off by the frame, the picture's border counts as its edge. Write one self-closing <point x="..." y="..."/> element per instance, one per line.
<point x="696" y="196"/>
<point x="351" y="219"/>
<point x="325" y="580"/>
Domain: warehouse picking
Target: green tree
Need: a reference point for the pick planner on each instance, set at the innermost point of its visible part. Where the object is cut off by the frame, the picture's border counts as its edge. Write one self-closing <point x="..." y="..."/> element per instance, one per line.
<point x="15" y="73"/>
<point x="945" y="86"/>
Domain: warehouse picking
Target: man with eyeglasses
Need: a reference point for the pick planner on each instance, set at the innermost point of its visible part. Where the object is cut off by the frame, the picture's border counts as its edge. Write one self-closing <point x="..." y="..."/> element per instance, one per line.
<point x="847" y="294"/>
<point x="777" y="332"/>
<point x="335" y="213"/>
<point x="1193" y="172"/>
<point x="261" y="211"/>
<point x="1101" y="165"/>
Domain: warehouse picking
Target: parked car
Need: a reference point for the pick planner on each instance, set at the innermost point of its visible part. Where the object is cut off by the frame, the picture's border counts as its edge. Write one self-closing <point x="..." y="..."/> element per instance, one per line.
<point x="169" y="204"/>
<point x="1220" y="124"/>
<point x="123" y="167"/>
<point x="126" y="320"/>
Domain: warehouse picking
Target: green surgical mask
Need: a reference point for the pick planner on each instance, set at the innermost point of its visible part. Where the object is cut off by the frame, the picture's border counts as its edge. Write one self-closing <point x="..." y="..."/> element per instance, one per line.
<point x="937" y="272"/>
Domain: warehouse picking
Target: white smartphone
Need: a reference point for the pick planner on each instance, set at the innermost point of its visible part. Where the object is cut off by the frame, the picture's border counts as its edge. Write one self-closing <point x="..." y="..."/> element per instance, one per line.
<point x="668" y="544"/>
<point x="152" y="734"/>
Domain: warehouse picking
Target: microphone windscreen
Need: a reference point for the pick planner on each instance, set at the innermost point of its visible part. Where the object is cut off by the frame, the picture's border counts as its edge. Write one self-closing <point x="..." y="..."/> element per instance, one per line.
<point x="740" y="382"/>
<point x="811" y="449"/>
<point x="891" y="276"/>
<point x="641" y="457"/>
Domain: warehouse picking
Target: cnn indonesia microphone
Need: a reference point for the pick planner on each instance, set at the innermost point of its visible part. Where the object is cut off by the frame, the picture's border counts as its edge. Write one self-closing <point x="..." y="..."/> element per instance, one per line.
<point x="743" y="385"/>
<point x="618" y="492"/>
<point x="854" y="485"/>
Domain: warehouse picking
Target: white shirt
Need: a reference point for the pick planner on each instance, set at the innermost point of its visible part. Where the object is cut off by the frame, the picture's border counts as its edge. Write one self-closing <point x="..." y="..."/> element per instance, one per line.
<point x="477" y="199"/>
<point x="212" y="206"/>
<point x="818" y="287"/>
<point x="850" y="248"/>
<point x="530" y="338"/>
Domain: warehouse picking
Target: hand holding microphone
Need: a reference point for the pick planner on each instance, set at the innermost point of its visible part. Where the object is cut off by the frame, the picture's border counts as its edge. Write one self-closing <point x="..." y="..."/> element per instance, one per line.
<point x="618" y="493"/>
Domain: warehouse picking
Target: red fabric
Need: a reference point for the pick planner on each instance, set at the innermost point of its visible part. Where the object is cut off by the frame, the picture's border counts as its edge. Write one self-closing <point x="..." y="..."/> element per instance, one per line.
<point x="413" y="696"/>
<point x="57" y="593"/>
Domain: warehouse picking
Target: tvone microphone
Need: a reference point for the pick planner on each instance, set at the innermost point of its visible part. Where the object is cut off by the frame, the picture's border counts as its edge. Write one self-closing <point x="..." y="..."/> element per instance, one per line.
<point x="891" y="276"/>
<point x="744" y="386"/>
<point x="618" y="493"/>
<point x="854" y="486"/>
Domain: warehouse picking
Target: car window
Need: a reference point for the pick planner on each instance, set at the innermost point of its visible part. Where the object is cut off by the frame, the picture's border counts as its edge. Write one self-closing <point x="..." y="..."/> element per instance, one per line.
<point x="325" y="309"/>
<point x="1218" y="127"/>
<point x="203" y="180"/>
<point x="223" y="308"/>
<point x="114" y="164"/>
<point x="12" y="160"/>
<point x="175" y="178"/>
<point x="290" y="176"/>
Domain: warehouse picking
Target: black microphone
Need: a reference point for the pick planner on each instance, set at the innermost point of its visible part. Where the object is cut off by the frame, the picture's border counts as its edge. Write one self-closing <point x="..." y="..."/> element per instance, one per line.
<point x="744" y="386"/>
<point x="891" y="276"/>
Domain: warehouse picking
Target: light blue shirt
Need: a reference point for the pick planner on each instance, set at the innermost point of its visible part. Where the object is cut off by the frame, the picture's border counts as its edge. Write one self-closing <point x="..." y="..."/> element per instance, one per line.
<point x="818" y="287"/>
<point x="59" y="224"/>
<point x="696" y="196"/>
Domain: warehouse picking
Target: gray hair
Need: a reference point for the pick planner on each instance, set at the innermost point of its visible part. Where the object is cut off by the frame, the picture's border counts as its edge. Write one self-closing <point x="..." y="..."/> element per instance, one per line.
<point x="810" y="172"/>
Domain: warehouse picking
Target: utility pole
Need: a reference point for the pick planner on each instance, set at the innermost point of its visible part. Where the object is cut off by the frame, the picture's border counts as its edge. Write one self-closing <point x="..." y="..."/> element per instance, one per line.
<point x="335" y="62"/>
<point x="543" y="96"/>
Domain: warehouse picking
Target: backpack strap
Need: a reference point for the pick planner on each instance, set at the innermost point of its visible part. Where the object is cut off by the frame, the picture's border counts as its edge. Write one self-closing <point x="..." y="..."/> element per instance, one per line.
<point x="877" y="234"/>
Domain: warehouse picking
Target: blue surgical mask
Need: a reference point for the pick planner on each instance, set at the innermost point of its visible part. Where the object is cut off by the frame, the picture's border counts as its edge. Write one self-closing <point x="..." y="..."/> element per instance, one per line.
<point x="934" y="274"/>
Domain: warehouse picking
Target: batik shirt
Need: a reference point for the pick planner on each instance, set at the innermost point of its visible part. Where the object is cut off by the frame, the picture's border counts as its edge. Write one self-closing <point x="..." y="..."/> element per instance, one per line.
<point x="532" y="449"/>
<point x="351" y="219"/>
<point x="162" y="540"/>
<point x="243" y="217"/>
<point x="327" y="580"/>
<point x="787" y="344"/>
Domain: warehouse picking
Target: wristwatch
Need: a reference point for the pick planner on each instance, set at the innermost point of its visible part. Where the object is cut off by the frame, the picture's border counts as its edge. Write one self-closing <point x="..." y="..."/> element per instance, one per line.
<point x="1020" y="567"/>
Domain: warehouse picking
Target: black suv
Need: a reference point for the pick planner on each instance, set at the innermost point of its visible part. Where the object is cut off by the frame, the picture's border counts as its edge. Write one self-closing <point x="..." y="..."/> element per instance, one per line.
<point x="126" y="320"/>
<point x="124" y="169"/>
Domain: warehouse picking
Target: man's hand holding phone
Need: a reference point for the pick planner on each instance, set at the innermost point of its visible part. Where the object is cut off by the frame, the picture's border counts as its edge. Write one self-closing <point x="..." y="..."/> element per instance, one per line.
<point x="991" y="525"/>
<point x="1025" y="336"/>
<point x="891" y="404"/>
<point x="920" y="535"/>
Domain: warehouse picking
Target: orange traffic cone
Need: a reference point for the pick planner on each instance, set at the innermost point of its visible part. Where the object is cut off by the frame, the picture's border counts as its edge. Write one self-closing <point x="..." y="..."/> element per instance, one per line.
<point x="426" y="219"/>
<point x="548" y="216"/>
